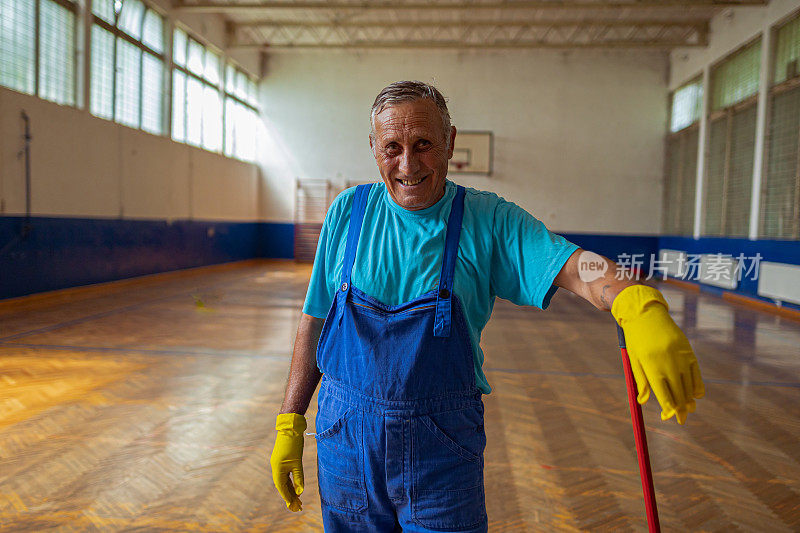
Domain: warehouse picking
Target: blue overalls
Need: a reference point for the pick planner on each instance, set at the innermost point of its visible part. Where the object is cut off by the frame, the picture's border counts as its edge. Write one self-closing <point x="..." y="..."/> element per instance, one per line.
<point x="400" y="435"/>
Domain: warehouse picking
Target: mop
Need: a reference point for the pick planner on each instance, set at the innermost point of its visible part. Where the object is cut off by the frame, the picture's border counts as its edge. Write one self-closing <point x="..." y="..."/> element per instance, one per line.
<point x="641" y="440"/>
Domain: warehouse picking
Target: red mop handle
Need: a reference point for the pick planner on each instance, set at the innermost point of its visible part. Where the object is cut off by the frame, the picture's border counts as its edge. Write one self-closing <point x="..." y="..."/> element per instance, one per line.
<point x="641" y="440"/>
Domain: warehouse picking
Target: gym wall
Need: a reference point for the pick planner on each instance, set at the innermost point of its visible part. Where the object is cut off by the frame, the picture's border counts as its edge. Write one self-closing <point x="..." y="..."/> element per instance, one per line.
<point x="578" y="136"/>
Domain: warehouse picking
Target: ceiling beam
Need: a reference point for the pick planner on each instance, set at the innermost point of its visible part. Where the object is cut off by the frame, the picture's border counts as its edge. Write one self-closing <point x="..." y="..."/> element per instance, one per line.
<point x="698" y="24"/>
<point x="458" y="45"/>
<point x="485" y="36"/>
<point x="205" y="6"/>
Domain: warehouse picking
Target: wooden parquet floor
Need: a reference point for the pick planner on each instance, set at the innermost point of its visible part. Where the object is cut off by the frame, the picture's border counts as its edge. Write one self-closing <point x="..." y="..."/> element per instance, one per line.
<point x="148" y="405"/>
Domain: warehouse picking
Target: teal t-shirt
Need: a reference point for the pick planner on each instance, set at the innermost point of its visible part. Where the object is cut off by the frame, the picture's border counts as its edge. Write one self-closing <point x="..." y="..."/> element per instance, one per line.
<point x="503" y="251"/>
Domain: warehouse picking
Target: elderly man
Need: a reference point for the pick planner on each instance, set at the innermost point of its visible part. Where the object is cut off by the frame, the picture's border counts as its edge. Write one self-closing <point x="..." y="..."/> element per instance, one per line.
<point x="403" y="283"/>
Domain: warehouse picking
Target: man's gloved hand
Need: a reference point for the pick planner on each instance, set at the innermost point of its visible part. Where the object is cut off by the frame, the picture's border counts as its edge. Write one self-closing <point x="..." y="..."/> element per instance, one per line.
<point x="660" y="354"/>
<point x="287" y="457"/>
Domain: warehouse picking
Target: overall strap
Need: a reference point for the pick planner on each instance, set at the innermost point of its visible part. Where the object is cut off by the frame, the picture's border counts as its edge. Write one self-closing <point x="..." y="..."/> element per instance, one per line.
<point x="441" y="324"/>
<point x="356" y="219"/>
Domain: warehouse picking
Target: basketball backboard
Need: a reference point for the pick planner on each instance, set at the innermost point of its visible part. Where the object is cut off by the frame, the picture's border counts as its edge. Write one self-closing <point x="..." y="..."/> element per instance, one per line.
<point x="472" y="153"/>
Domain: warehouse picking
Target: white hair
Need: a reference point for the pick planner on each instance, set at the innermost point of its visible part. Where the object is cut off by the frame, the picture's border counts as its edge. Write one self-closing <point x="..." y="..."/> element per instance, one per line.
<point x="410" y="91"/>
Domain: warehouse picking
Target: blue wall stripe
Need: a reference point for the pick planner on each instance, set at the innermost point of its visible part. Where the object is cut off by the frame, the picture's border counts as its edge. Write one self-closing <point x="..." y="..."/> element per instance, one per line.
<point x="612" y="246"/>
<point x="779" y="251"/>
<point x="59" y="252"/>
<point x="770" y="250"/>
<point x="276" y="240"/>
<point x="54" y="253"/>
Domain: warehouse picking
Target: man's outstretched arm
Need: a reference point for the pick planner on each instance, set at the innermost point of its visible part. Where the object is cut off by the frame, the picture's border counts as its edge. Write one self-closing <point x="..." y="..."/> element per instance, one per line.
<point x="287" y="455"/>
<point x="600" y="292"/>
<point x="661" y="357"/>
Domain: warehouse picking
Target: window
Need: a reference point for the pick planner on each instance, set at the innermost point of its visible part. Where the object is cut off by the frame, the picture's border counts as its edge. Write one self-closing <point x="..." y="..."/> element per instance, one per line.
<point x="197" y="101"/>
<point x="153" y="31"/>
<point x="680" y="181"/>
<point x="212" y="119"/>
<point x="736" y="215"/>
<point x="714" y="181"/>
<point x="241" y="115"/>
<point x="130" y="17"/>
<point x="152" y="89"/>
<point x="730" y="173"/>
<point x="178" y="106"/>
<point x="780" y="188"/>
<point x="195" y="61"/>
<point x="680" y="175"/>
<point x="194" y="111"/>
<point x="787" y="51"/>
<point x="732" y="132"/>
<point x="686" y="103"/>
<point x="102" y="72"/>
<point x="179" y="47"/>
<point x="104" y="9"/>
<point x="56" y="53"/>
<point x="55" y="78"/>
<point x="736" y="78"/>
<point x="18" y="45"/>
<point x="127" y="66"/>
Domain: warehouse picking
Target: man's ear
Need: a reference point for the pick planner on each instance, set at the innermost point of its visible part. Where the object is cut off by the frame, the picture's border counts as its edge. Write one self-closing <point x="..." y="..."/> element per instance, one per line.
<point x="371" y="144"/>
<point x="452" y="142"/>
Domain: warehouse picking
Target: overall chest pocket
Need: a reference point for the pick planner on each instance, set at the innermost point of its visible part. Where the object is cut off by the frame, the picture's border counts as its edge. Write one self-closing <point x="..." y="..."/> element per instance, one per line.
<point x="448" y="470"/>
<point x="340" y="460"/>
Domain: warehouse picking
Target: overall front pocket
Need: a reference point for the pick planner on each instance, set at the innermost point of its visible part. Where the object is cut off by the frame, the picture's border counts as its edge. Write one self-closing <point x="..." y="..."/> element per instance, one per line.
<point x="340" y="462"/>
<point x="448" y="470"/>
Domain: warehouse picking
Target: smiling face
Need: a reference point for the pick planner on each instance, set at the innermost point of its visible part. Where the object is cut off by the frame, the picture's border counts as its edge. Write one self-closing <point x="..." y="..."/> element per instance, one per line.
<point x="411" y="149"/>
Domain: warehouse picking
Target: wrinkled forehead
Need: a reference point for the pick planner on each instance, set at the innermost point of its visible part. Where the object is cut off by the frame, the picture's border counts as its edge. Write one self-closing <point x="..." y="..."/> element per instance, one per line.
<point x="409" y="120"/>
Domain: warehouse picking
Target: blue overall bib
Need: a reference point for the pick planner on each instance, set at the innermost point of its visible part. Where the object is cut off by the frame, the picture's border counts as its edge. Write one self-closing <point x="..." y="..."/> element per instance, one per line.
<point x="400" y="435"/>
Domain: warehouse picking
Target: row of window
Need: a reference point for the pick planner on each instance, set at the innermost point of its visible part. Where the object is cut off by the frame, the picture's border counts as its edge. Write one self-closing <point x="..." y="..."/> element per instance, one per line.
<point x="731" y="145"/>
<point x="213" y="104"/>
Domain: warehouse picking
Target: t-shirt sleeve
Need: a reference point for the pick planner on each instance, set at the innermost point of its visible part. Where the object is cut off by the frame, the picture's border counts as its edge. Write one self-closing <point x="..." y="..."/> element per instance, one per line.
<point x="322" y="285"/>
<point x="526" y="256"/>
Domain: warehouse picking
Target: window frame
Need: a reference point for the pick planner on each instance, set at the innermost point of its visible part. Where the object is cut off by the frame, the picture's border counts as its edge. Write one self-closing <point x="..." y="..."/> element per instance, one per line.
<point x="221" y="86"/>
<point x="726" y="113"/>
<point x="184" y="69"/>
<point x="119" y="33"/>
<point x="237" y="99"/>
<point x="680" y="137"/>
<point x="697" y="79"/>
<point x="671" y="218"/>
<point x="773" y="90"/>
<point x="715" y="66"/>
<point x="71" y="6"/>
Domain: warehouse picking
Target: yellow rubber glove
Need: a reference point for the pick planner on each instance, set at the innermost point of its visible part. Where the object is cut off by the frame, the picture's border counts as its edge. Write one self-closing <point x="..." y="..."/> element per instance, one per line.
<point x="287" y="457"/>
<point x="660" y="354"/>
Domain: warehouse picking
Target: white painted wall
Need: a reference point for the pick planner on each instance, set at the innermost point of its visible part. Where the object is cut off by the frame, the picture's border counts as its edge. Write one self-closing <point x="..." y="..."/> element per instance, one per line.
<point x="578" y="134"/>
<point x="730" y="29"/>
<point x="84" y="166"/>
